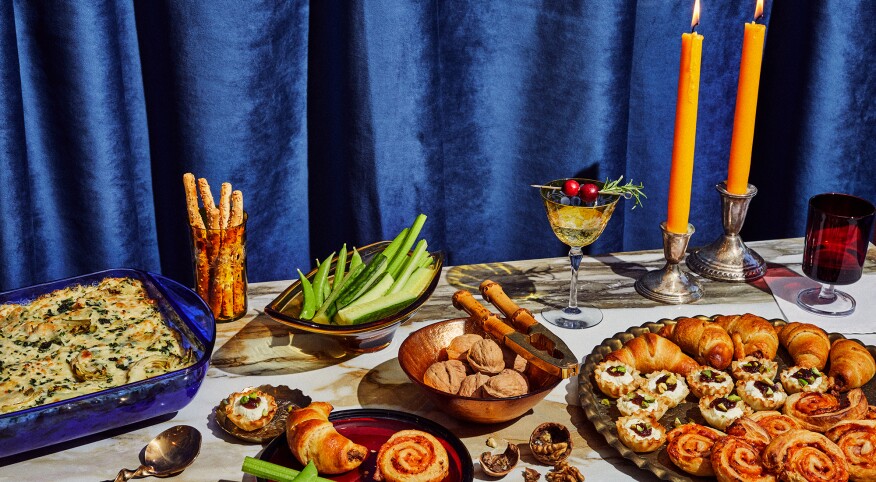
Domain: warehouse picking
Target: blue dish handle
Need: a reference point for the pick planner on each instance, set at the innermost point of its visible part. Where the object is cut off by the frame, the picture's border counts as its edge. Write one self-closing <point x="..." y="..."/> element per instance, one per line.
<point x="189" y="305"/>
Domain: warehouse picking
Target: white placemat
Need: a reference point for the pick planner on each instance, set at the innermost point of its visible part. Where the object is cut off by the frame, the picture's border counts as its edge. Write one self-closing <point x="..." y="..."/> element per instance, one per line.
<point x="786" y="282"/>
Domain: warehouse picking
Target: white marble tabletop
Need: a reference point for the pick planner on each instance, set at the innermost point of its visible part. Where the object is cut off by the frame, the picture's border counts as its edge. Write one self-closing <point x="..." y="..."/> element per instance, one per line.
<point x="256" y="350"/>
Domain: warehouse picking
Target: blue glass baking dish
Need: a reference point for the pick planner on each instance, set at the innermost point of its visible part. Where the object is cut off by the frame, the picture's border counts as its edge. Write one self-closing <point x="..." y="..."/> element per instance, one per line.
<point x="96" y="412"/>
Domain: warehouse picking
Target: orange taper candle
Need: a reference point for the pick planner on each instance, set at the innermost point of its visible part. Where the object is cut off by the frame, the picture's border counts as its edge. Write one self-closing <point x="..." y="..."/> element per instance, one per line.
<point x="681" y="174"/>
<point x="746" y="105"/>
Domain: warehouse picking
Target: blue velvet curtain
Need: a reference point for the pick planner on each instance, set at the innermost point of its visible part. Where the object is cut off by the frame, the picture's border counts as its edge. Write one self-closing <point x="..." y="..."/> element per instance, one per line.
<point x="340" y="121"/>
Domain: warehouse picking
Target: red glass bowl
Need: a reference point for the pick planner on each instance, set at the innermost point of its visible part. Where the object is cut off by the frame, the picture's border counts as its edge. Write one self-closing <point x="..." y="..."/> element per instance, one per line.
<point x="363" y="338"/>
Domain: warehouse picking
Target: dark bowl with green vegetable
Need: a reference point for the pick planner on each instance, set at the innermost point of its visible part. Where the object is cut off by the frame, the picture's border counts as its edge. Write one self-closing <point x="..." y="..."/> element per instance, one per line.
<point x="368" y="322"/>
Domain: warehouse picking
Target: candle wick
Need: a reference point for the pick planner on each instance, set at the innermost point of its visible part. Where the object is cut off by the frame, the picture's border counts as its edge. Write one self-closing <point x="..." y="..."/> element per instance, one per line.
<point x="693" y="28"/>
<point x="759" y="17"/>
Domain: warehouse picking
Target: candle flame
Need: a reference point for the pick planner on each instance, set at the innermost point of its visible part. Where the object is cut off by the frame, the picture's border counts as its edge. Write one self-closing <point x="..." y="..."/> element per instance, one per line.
<point x="695" y="19"/>
<point x="758" y="10"/>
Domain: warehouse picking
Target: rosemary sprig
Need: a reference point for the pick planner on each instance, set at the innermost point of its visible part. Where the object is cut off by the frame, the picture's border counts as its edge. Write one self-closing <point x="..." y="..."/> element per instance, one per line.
<point x="628" y="190"/>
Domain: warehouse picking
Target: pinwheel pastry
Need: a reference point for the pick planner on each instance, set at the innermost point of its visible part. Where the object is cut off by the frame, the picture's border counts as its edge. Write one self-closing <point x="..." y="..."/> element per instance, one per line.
<point x="808" y="344"/>
<point x="799" y="379"/>
<point x="801" y="455"/>
<point x="747" y="429"/>
<point x="856" y="439"/>
<point x="753" y="367"/>
<point x="705" y="381"/>
<point x="851" y="365"/>
<point x="819" y="411"/>
<point x="311" y="436"/>
<point x="640" y="433"/>
<point x="668" y="384"/>
<point x="761" y="393"/>
<point x="720" y="412"/>
<point x="250" y="409"/>
<point x="735" y="460"/>
<point x="643" y="402"/>
<point x="412" y="455"/>
<point x="775" y="423"/>
<point x="616" y="378"/>
<point x="689" y="446"/>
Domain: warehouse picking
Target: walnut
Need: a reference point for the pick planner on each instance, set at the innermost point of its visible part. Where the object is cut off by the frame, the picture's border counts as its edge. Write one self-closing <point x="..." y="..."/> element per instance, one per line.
<point x="446" y="376"/>
<point x="519" y="364"/>
<point x="550" y="443"/>
<point x="506" y="384"/>
<point x="460" y="345"/>
<point x="472" y="386"/>
<point x="563" y="472"/>
<point x="530" y="475"/>
<point x="486" y="356"/>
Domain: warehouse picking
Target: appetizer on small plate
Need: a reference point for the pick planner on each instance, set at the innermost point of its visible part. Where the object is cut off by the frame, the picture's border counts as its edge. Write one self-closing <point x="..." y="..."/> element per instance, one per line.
<point x="258" y="414"/>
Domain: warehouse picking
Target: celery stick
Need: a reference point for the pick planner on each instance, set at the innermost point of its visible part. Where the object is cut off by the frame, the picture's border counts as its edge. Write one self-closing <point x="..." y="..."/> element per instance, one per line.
<point x="309" y="304"/>
<point x="396" y="243"/>
<point x="340" y="266"/>
<point x="398" y="259"/>
<point x="412" y="263"/>
<point x="427" y="260"/>
<point x="320" y="279"/>
<point x="267" y="470"/>
<point x="355" y="260"/>
<point x="307" y="474"/>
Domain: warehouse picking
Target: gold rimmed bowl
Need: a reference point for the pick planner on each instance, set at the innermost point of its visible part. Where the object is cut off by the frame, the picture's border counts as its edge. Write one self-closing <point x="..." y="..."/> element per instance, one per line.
<point x="361" y="338"/>
<point x="427" y="345"/>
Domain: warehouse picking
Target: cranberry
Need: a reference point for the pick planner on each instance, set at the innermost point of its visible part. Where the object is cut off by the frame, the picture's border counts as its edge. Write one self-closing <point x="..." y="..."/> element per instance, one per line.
<point x="588" y="192"/>
<point x="570" y="188"/>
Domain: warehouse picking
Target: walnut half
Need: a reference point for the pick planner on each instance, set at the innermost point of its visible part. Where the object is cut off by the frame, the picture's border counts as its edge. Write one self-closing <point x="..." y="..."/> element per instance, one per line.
<point x="551" y="443"/>
<point x="563" y="472"/>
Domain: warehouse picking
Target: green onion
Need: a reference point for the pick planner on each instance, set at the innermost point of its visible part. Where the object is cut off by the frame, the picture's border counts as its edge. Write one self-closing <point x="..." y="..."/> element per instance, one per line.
<point x="267" y="470"/>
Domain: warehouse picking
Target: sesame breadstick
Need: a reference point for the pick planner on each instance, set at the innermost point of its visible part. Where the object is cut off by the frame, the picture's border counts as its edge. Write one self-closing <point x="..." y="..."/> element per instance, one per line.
<point x="209" y="204"/>
<point x="236" y="208"/>
<point x="214" y="245"/>
<point x="238" y="275"/>
<point x="195" y="218"/>
<point x="224" y="204"/>
<point x="202" y="265"/>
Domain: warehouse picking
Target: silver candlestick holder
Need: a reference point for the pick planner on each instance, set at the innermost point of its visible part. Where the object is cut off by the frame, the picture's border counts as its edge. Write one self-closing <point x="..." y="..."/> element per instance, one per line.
<point x="670" y="284"/>
<point x="728" y="258"/>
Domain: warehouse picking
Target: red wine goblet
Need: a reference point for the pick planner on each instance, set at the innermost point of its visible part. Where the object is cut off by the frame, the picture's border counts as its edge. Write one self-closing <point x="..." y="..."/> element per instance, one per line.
<point x="837" y="233"/>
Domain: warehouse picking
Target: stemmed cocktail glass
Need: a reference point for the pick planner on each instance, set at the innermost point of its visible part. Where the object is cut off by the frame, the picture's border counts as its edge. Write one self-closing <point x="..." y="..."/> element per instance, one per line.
<point x="577" y="224"/>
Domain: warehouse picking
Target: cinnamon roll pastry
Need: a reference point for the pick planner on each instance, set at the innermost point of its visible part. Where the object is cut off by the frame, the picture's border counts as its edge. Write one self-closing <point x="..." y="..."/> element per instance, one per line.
<point x="871" y="413"/>
<point x="722" y="411"/>
<point x="749" y="430"/>
<point x="735" y="460"/>
<point x="799" y="379"/>
<point x="689" y="446"/>
<point x="668" y="384"/>
<point x="615" y="378"/>
<point x="801" y="455"/>
<point x="641" y="434"/>
<point x="705" y="381"/>
<point x="775" y="423"/>
<point x="819" y="411"/>
<point x="412" y="455"/>
<point x="761" y="394"/>
<point x="857" y="441"/>
<point x="754" y="367"/>
<point x="643" y="402"/>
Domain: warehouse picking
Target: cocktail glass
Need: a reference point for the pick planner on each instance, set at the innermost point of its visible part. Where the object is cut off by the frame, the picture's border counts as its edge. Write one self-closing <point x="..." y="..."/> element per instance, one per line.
<point x="837" y="233"/>
<point x="576" y="224"/>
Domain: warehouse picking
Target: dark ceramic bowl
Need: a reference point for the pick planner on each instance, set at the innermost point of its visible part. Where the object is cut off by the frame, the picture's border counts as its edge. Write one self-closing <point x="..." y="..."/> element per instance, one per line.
<point x="65" y="420"/>
<point x="367" y="337"/>
<point x="427" y="346"/>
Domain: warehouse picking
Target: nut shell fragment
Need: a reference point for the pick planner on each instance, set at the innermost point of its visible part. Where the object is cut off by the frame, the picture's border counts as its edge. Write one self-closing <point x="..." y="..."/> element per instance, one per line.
<point x="502" y="463"/>
<point x="551" y="443"/>
<point x="446" y="376"/>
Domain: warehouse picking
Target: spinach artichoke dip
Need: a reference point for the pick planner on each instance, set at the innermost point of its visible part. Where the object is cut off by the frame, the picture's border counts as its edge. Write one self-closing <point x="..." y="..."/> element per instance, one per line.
<point x="83" y="339"/>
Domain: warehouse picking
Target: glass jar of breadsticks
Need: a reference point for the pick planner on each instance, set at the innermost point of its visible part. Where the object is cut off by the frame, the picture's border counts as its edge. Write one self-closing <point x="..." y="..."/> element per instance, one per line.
<point x="218" y="233"/>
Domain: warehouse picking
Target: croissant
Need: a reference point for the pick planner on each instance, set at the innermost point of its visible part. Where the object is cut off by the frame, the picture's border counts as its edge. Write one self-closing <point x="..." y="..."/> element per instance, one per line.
<point x="650" y="353"/>
<point x="751" y="335"/>
<point x="311" y="436"/>
<point x="851" y="365"/>
<point x="707" y="342"/>
<point x="807" y="344"/>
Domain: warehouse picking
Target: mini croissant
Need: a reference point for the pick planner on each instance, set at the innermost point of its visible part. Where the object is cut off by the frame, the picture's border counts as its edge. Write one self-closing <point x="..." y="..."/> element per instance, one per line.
<point x="650" y="353"/>
<point x="707" y="342"/>
<point x="751" y="335"/>
<point x="808" y="344"/>
<point x="851" y="365"/>
<point x="311" y="436"/>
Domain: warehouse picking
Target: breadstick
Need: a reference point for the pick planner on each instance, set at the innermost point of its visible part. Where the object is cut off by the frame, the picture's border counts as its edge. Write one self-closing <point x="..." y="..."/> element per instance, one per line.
<point x="209" y="204"/>
<point x="236" y="208"/>
<point x="224" y="204"/>
<point x="202" y="265"/>
<point x="195" y="218"/>
<point x="214" y="245"/>
<point x="238" y="275"/>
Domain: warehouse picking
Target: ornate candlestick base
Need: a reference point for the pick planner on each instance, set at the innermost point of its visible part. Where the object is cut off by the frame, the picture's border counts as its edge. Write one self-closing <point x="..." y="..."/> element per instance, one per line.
<point x="728" y="258"/>
<point x="670" y="284"/>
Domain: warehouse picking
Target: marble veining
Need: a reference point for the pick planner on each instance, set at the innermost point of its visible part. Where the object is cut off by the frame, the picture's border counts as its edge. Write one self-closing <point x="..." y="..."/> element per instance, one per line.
<point x="256" y="350"/>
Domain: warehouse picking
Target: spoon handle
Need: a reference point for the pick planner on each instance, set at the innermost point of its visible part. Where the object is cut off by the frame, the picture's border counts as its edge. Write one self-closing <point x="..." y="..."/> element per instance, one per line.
<point x="126" y="474"/>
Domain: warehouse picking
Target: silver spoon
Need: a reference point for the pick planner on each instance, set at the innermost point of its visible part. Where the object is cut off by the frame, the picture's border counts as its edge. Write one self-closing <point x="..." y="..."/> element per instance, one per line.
<point x="167" y="454"/>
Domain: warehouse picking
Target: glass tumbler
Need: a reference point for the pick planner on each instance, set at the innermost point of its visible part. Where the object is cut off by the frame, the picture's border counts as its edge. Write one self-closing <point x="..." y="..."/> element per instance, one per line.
<point x="219" y="261"/>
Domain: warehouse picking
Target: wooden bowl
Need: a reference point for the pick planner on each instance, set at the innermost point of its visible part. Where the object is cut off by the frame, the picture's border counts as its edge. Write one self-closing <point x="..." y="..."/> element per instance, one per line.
<point x="427" y="346"/>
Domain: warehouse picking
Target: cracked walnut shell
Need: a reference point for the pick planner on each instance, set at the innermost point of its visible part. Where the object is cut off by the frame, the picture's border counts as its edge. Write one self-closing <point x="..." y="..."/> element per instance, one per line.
<point x="508" y="383"/>
<point x="460" y="345"/>
<point x="486" y="356"/>
<point x="446" y="376"/>
<point x="563" y="472"/>
<point x="550" y="443"/>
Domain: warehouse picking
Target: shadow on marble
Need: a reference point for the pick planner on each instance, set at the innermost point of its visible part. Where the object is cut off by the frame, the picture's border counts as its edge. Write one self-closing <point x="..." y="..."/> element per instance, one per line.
<point x="51" y="449"/>
<point x="266" y="347"/>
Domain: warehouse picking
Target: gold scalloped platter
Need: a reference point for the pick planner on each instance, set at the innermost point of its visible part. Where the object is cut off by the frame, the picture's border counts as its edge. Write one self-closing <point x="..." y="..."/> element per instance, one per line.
<point x="604" y="417"/>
